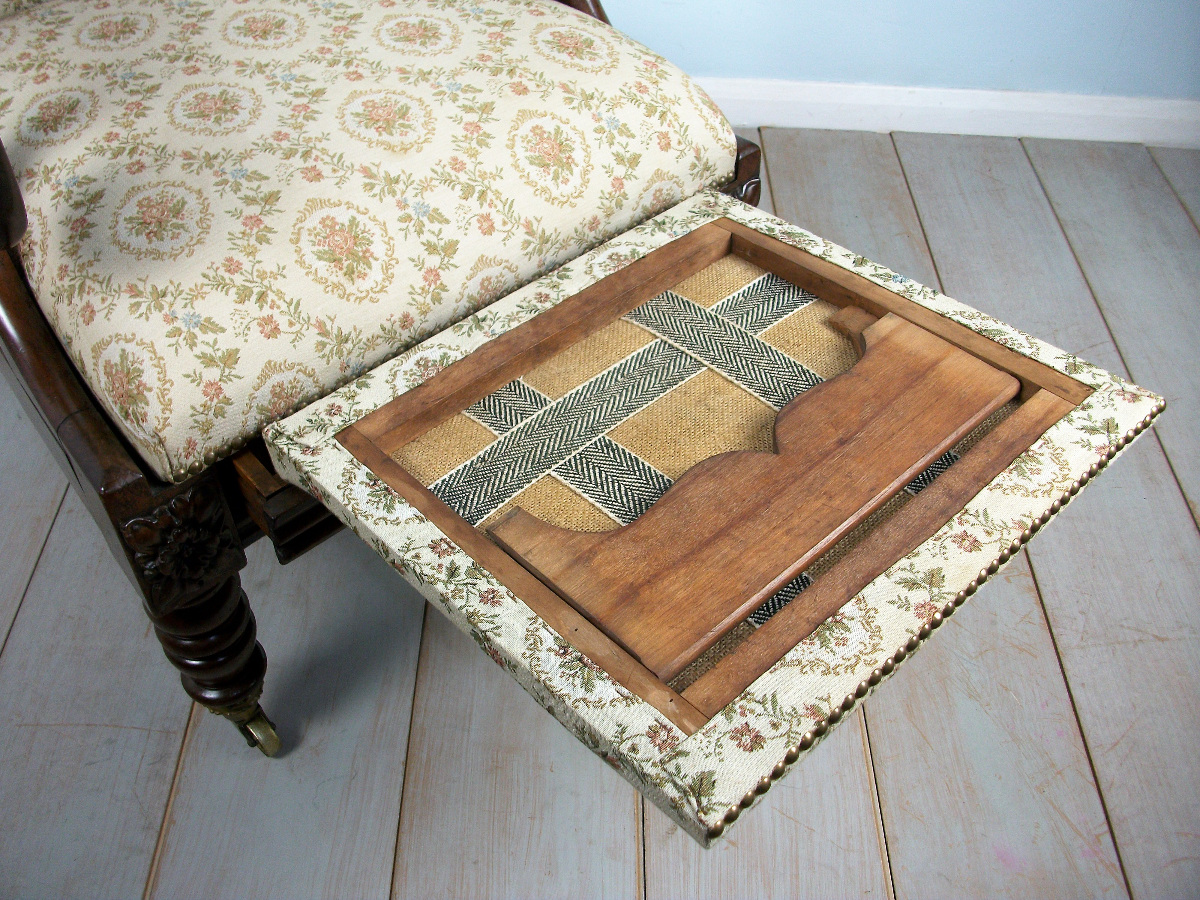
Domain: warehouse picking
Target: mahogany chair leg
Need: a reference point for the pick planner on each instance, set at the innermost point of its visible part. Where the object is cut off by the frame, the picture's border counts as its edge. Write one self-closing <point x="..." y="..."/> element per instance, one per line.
<point x="186" y="557"/>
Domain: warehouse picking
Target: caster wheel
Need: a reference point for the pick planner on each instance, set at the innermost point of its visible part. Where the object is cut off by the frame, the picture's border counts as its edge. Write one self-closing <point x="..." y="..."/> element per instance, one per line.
<point x="260" y="732"/>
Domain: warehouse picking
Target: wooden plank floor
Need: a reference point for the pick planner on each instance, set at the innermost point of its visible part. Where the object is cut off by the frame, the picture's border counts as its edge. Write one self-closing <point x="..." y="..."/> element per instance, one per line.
<point x="1044" y="744"/>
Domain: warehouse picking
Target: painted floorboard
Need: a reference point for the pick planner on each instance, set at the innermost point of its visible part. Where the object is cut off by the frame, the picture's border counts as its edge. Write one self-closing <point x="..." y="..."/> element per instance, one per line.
<point x="1141" y="254"/>
<point x="31" y="488"/>
<point x="814" y="835"/>
<point x="500" y="800"/>
<point x="964" y="813"/>
<point x="92" y="721"/>
<point x="341" y="631"/>
<point x="1182" y="168"/>
<point x="1117" y="569"/>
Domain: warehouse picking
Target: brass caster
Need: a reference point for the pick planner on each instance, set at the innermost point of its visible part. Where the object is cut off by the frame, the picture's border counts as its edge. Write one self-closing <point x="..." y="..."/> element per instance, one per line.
<point x="259" y="731"/>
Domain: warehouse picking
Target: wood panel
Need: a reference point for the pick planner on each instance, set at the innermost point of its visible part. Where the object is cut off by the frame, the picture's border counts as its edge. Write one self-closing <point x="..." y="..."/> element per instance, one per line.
<point x="893" y="540"/>
<point x="1129" y="536"/>
<point x="1141" y="255"/>
<point x="1025" y="798"/>
<point x="1182" y="168"/>
<point x="843" y="448"/>
<point x="499" y="799"/>
<point x="813" y="836"/>
<point x="31" y="489"/>
<point x="342" y="632"/>
<point x="93" y="718"/>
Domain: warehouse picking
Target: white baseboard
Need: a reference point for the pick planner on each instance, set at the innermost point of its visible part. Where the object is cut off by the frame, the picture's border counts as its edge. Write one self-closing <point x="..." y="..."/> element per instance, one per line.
<point x="748" y="102"/>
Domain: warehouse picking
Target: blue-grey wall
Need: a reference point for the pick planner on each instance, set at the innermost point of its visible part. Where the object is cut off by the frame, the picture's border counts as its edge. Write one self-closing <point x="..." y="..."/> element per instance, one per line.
<point x="1132" y="48"/>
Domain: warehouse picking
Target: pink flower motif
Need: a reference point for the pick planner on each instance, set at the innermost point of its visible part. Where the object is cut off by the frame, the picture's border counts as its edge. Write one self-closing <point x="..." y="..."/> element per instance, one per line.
<point x="441" y="547"/>
<point x="489" y="597"/>
<point x="472" y="128"/>
<point x="280" y="136"/>
<point x="87" y="314"/>
<point x="432" y="276"/>
<point x="300" y="108"/>
<point x="212" y="391"/>
<point x="486" y="225"/>
<point x="966" y="542"/>
<point x="191" y="70"/>
<point x="135" y="167"/>
<point x="662" y="737"/>
<point x="231" y="266"/>
<point x="519" y="88"/>
<point x="41" y="78"/>
<point x="748" y="738"/>
<point x="311" y="173"/>
<point x="252" y="223"/>
<point x="334" y="409"/>
<point x="618" y="184"/>
<point x="268" y="327"/>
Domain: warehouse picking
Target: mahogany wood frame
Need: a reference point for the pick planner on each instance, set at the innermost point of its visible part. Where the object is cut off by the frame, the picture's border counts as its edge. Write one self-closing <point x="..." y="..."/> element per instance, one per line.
<point x="182" y="545"/>
<point x="1046" y="395"/>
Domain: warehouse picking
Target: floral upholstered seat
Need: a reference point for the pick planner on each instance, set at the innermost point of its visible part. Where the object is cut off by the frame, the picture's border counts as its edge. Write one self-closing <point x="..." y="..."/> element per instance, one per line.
<point x="235" y="207"/>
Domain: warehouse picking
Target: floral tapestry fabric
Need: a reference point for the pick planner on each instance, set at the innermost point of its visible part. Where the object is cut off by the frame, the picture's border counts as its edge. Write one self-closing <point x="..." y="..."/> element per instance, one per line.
<point x="236" y="207"/>
<point x="699" y="779"/>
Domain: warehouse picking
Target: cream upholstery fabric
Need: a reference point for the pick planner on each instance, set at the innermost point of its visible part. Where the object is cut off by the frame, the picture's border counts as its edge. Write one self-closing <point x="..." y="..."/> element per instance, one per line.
<point x="705" y="780"/>
<point x="235" y="207"/>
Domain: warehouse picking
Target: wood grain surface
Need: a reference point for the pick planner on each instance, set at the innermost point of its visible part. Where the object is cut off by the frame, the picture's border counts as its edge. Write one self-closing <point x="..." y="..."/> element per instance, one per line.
<point x="1117" y="569"/>
<point x="1182" y="168"/>
<point x="31" y="489"/>
<point x="893" y="540"/>
<point x="1133" y="240"/>
<point x="499" y="799"/>
<point x="1018" y="800"/>
<point x="729" y="523"/>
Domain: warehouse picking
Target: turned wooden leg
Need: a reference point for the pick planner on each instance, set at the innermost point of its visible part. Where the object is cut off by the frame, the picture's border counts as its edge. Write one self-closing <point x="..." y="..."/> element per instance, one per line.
<point x="186" y="557"/>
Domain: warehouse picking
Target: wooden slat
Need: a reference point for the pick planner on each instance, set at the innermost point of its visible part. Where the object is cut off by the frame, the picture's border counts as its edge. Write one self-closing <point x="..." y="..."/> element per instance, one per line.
<point x="1023" y="810"/>
<point x="1117" y="569"/>
<point x="515" y="352"/>
<point x="1141" y="255"/>
<point x="729" y="523"/>
<point x="1132" y="536"/>
<point x="31" y="489"/>
<point x="92" y="720"/>
<point x="812" y="836"/>
<point x="585" y="636"/>
<point x="342" y="633"/>
<point x="894" y="540"/>
<point x="499" y="799"/>
<point x="1182" y="168"/>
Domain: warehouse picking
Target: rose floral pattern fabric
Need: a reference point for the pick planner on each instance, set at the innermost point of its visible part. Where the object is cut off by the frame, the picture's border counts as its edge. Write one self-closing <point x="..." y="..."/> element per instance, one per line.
<point x="698" y="779"/>
<point x="236" y="207"/>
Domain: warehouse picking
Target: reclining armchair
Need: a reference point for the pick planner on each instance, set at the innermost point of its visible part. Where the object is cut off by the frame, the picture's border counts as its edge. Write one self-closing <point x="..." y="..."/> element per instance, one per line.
<point x="214" y="212"/>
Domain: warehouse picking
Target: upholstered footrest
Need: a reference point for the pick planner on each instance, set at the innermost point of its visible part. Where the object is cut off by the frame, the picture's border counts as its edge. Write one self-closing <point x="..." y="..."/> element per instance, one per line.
<point x="701" y="490"/>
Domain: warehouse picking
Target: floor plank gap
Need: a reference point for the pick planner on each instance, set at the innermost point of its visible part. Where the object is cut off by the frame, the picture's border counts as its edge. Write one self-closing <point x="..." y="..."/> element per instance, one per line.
<point x="33" y="571"/>
<point x="421" y="653"/>
<point x="159" y="844"/>
<point x="1087" y="747"/>
<point x="889" y="883"/>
